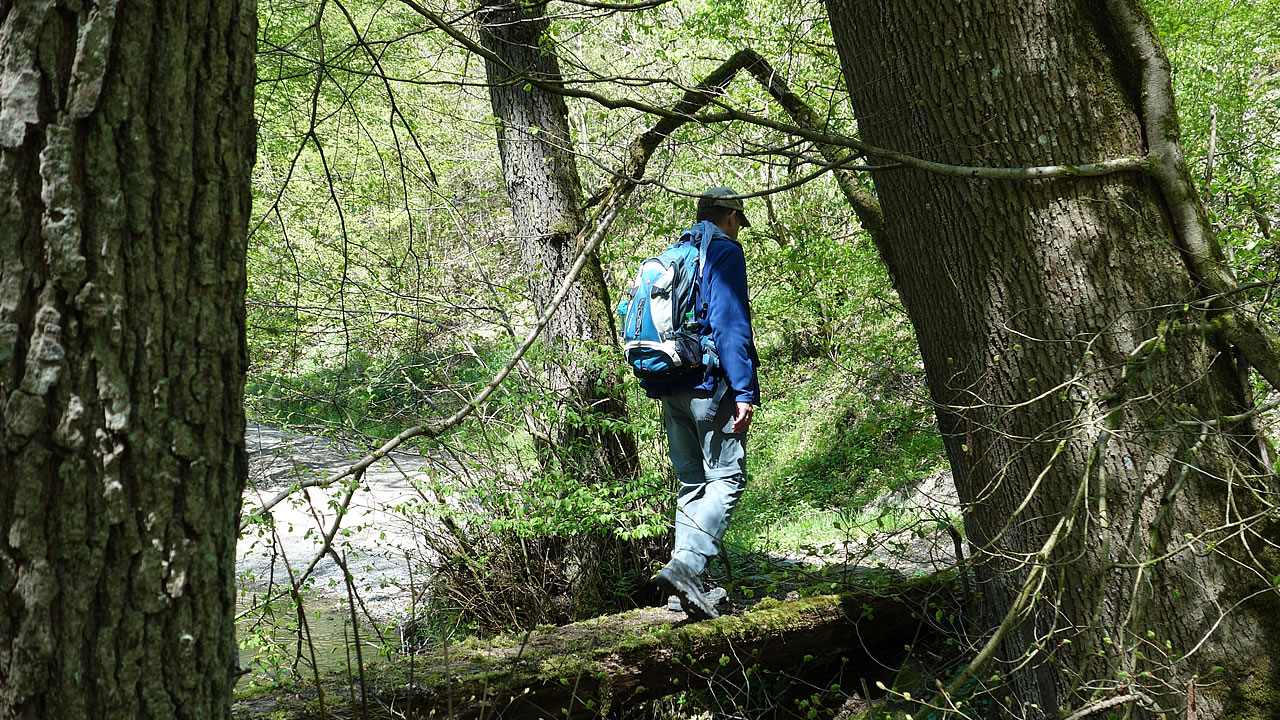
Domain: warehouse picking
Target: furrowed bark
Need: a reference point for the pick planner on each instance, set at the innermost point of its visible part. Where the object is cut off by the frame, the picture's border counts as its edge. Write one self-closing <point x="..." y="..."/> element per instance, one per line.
<point x="1119" y="521"/>
<point x="546" y="199"/>
<point x="126" y="143"/>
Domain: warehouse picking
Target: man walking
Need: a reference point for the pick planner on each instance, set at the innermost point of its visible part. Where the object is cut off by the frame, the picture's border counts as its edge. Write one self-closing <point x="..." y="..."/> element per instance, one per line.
<point x="706" y="417"/>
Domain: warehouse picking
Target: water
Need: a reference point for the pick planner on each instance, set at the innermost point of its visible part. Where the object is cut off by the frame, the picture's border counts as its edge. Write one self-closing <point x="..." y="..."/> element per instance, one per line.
<point x="269" y="639"/>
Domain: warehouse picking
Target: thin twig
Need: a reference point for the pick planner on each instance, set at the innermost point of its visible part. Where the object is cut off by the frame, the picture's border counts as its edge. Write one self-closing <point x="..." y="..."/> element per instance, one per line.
<point x="355" y="635"/>
<point x="602" y="226"/>
<point x="1108" y="703"/>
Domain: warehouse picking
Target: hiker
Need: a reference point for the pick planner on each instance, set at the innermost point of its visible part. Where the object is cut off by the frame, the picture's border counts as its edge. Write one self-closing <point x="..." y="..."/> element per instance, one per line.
<point x="706" y="416"/>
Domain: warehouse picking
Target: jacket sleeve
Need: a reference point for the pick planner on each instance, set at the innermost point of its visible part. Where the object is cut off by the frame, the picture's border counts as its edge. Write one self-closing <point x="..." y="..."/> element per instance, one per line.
<point x="729" y="314"/>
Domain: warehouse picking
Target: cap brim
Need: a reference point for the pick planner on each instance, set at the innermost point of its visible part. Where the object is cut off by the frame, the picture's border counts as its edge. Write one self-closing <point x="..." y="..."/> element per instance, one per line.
<point x="745" y="221"/>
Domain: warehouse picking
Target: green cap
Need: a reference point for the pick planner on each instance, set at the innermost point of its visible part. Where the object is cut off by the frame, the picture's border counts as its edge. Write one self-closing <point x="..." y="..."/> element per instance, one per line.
<point x="722" y="197"/>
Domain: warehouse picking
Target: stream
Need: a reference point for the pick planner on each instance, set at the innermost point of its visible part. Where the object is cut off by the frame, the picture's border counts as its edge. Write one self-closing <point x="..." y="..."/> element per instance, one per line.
<point x="381" y="547"/>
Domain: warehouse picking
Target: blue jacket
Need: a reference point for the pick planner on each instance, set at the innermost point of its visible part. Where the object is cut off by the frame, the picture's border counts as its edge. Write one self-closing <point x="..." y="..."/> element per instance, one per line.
<point x="727" y="321"/>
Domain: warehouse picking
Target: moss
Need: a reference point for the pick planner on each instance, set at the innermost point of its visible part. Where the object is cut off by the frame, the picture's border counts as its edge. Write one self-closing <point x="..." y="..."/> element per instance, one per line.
<point x="584" y="652"/>
<point x="253" y="692"/>
<point x="566" y="226"/>
<point x="567" y="667"/>
<point x="1260" y="693"/>
<point x="640" y="642"/>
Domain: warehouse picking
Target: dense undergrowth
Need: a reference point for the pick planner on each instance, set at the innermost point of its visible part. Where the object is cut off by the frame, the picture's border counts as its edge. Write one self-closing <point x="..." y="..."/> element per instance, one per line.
<point x="520" y="541"/>
<point x="841" y="422"/>
<point x="821" y="441"/>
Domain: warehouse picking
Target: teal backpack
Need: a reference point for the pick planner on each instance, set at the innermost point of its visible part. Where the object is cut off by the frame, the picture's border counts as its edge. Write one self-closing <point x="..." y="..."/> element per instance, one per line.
<point x="660" y="315"/>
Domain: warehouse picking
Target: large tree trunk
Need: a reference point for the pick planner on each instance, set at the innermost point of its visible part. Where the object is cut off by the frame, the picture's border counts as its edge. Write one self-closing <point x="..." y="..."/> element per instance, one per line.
<point x="1122" y="553"/>
<point x="126" y="143"/>
<point x="546" y="200"/>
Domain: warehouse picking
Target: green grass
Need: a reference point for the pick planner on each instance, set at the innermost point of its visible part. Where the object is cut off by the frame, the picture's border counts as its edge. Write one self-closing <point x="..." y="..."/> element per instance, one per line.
<point x="758" y="534"/>
<point x="826" y="444"/>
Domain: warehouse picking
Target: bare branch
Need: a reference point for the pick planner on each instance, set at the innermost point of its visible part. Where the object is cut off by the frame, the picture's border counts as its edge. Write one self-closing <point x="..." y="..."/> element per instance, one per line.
<point x="1101" y="705"/>
<point x="728" y="114"/>
<point x="604" y="220"/>
<point x="625" y="7"/>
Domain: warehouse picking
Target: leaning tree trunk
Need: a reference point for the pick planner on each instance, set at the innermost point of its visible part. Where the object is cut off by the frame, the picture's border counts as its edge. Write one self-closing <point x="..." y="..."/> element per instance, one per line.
<point x="126" y="143"/>
<point x="1080" y="389"/>
<point x="546" y="200"/>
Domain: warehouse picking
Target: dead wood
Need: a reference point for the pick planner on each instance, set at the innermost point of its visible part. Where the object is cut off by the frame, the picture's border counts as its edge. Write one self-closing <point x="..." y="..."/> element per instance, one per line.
<point x="596" y="667"/>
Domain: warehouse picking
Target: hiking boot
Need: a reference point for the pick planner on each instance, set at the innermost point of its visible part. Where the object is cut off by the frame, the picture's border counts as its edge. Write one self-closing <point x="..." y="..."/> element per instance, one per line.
<point x="714" y="595"/>
<point x="679" y="579"/>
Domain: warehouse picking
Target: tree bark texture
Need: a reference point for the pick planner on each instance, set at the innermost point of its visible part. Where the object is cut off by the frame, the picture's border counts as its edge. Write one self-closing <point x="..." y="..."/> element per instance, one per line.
<point x="542" y="183"/>
<point x="126" y="143"/>
<point x="1124" y="529"/>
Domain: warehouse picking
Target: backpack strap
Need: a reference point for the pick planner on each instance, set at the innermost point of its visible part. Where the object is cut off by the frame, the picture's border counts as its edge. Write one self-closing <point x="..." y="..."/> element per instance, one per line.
<point x="702" y="256"/>
<point x="703" y="248"/>
<point x="703" y="244"/>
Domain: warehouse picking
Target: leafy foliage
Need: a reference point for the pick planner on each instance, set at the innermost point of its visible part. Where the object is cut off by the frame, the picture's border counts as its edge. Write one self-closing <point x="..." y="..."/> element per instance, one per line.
<point x="1226" y="59"/>
<point x="384" y="290"/>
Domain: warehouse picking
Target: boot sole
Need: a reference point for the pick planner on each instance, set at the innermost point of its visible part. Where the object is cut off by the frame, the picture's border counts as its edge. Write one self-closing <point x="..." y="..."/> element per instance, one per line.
<point x="692" y="601"/>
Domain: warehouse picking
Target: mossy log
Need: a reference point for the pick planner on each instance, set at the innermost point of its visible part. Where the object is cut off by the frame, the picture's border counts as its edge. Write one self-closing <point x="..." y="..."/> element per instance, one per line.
<point x="590" y="668"/>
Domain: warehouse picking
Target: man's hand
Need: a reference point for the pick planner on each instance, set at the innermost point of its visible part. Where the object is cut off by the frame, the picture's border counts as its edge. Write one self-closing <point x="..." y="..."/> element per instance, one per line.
<point x="743" y="418"/>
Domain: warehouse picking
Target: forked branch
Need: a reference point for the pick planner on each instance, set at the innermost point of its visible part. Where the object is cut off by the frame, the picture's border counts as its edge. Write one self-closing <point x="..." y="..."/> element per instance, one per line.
<point x="1168" y="167"/>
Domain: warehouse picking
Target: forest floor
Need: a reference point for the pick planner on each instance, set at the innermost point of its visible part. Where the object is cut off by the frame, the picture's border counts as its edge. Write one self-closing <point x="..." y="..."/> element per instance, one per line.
<point x="902" y="533"/>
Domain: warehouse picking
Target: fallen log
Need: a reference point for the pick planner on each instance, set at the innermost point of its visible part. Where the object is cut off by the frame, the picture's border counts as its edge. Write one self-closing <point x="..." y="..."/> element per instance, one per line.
<point x="589" y="668"/>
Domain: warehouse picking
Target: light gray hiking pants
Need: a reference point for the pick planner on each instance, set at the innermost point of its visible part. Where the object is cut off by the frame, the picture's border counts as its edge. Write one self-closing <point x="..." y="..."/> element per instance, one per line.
<point x="710" y="461"/>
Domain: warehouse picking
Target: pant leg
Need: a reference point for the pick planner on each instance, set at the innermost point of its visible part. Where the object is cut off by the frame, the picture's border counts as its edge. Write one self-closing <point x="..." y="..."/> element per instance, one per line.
<point x="712" y="472"/>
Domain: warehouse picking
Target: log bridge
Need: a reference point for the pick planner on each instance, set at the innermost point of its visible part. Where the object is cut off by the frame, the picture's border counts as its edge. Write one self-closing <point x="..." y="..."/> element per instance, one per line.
<point x="598" y="667"/>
